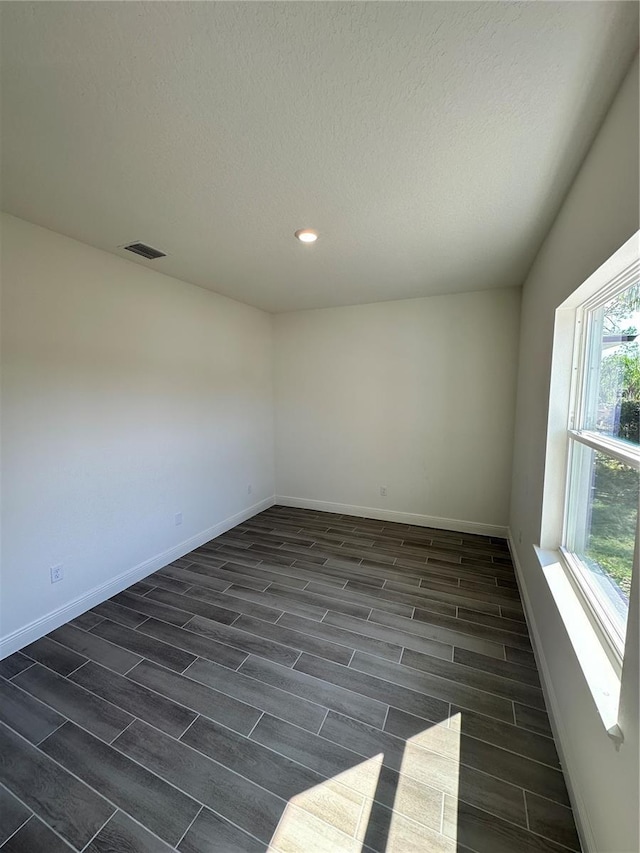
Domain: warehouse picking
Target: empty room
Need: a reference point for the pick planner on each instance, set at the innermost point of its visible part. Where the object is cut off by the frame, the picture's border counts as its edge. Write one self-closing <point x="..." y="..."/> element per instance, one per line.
<point x="320" y="427"/>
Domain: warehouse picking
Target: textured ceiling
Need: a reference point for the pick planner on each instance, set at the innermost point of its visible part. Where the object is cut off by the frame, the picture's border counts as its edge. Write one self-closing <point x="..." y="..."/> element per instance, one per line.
<point x="430" y="144"/>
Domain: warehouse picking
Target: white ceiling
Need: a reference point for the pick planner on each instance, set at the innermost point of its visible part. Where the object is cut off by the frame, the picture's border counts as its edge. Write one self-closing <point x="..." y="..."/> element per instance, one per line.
<point x="430" y="144"/>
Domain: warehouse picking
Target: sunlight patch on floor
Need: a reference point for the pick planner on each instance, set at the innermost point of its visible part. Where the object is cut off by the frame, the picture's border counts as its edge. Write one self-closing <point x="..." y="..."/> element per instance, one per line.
<point x="429" y="775"/>
<point x="346" y="812"/>
<point x="332" y="816"/>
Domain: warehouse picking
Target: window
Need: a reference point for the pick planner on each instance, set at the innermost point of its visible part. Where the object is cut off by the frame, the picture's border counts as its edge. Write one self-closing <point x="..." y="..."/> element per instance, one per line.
<point x="600" y="536"/>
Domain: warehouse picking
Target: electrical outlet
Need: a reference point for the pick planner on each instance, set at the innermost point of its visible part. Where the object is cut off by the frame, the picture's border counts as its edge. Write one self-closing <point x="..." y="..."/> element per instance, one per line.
<point x="178" y="519"/>
<point x="57" y="573"/>
<point x="383" y="491"/>
<point x="249" y="489"/>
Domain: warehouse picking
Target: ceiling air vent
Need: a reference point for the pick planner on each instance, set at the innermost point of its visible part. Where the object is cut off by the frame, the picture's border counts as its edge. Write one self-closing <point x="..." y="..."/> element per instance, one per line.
<point x="145" y="251"/>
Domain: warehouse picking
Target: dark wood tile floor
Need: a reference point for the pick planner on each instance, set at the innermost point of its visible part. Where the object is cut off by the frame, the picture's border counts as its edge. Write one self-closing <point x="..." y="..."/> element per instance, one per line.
<point x="305" y="682"/>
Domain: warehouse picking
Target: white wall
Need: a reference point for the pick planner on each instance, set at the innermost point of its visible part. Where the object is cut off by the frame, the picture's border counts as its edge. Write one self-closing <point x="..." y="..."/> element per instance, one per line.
<point x="417" y="395"/>
<point x="127" y="397"/>
<point x="599" y="214"/>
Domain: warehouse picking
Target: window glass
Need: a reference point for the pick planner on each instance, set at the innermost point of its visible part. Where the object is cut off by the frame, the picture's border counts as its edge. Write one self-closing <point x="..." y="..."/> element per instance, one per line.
<point x="603" y="518"/>
<point x="612" y="394"/>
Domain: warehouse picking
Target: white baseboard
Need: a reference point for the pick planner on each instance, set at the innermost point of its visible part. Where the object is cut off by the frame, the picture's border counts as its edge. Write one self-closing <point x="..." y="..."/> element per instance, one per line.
<point x="391" y="515"/>
<point x="580" y="812"/>
<point x="38" y="628"/>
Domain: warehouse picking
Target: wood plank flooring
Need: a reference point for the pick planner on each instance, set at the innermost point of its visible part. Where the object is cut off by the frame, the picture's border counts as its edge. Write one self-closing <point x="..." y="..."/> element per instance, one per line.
<point x="305" y="682"/>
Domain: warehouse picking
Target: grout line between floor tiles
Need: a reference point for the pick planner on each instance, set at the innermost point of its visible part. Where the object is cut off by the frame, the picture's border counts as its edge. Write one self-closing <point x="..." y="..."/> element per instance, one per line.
<point x="73" y="670"/>
<point x="182" y="837"/>
<point x="554" y="841"/>
<point x="68" y="843"/>
<point x="57" y="728"/>
<point x="272" y="849"/>
<point x="116" y="736"/>
<point x="124" y="674"/>
<point x="253" y="727"/>
<point x="449" y="715"/>
<point x="234" y="669"/>
<point x="31" y="815"/>
<point x="33" y="663"/>
<point x="324" y="720"/>
<point x="195" y="719"/>
<point x="357" y="834"/>
<point x="442" y="802"/>
<point x="90" y="841"/>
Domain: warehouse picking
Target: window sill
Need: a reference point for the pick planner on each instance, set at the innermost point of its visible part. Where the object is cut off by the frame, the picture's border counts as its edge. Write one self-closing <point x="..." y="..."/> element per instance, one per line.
<point x="601" y="676"/>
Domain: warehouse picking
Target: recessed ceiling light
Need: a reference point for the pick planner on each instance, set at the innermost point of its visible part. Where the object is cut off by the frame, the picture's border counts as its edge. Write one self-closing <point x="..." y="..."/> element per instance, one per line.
<point x="306" y="235"/>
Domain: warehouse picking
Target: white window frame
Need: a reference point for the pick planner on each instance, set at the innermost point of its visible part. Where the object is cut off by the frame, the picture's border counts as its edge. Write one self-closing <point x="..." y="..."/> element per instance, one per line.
<point x="587" y="327"/>
<point x="599" y="658"/>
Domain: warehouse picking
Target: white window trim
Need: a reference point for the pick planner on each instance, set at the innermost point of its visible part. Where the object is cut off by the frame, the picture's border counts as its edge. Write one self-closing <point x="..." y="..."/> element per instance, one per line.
<point x="629" y="454"/>
<point x="599" y="657"/>
<point x="601" y="676"/>
<point x="598" y="615"/>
